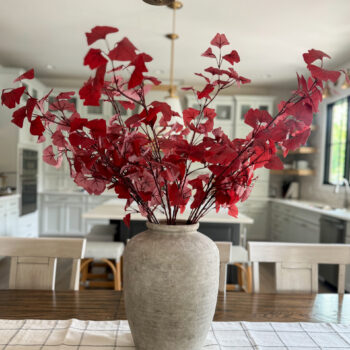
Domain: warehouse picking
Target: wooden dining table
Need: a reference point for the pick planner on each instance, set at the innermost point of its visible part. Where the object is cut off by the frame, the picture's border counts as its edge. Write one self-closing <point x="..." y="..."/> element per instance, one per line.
<point x="232" y="306"/>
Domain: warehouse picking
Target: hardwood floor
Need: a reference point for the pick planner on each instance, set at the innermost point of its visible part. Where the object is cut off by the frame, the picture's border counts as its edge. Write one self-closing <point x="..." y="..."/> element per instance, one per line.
<point x="267" y="276"/>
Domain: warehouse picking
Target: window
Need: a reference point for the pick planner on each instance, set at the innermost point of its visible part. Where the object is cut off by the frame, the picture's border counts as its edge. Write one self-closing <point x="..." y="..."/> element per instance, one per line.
<point x="337" y="159"/>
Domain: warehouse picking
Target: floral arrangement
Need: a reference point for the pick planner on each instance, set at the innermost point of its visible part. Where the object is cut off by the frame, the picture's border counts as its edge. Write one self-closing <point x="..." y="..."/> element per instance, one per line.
<point x="156" y="159"/>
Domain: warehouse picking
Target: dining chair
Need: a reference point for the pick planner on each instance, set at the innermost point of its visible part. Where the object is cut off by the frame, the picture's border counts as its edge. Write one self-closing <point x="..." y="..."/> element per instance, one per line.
<point x="238" y="256"/>
<point x="296" y="264"/>
<point x="34" y="260"/>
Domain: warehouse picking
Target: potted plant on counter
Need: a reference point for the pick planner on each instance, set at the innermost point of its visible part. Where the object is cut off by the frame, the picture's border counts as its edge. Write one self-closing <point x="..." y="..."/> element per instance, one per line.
<point x="161" y="163"/>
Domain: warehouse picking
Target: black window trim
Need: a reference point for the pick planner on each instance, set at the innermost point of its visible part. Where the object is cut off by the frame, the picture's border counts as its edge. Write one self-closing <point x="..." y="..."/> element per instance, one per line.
<point x="328" y="143"/>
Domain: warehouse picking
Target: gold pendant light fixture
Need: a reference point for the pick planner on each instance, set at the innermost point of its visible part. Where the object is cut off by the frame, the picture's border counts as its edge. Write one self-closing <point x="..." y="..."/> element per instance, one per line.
<point x="326" y="91"/>
<point x="173" y="100"/>
<point x="158" y="2"/>
<point x="346" y="85"/>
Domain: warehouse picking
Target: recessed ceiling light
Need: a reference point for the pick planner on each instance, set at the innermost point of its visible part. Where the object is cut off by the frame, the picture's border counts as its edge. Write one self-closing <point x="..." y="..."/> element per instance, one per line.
<point x="50" y="66"/>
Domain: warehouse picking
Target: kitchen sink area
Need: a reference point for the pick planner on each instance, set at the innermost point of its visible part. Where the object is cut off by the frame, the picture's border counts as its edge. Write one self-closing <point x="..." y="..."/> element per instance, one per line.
<point x="301" y="221"/>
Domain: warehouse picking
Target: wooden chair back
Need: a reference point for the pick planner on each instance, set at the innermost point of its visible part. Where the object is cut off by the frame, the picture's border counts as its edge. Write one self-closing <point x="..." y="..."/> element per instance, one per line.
<point x="225" y="257"/>
<point x="34" y="260"/>
<point x="296" y="264"/>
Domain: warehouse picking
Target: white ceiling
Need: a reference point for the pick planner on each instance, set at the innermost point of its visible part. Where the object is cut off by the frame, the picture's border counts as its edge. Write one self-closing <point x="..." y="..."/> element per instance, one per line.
<point x="270" y="35"/>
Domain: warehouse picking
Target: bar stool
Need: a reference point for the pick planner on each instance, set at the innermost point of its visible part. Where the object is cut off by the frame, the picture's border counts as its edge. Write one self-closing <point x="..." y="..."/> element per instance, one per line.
<point x="238" y="256"/>
<point x="101" y="250"/>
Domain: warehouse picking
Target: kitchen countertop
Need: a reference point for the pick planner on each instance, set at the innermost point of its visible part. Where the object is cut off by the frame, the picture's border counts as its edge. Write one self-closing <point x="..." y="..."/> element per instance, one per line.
<point x="10" y="195"/>
<point x="316" y="207"/>
<point x="76" y="193"/>
<point x="114" y="210"/>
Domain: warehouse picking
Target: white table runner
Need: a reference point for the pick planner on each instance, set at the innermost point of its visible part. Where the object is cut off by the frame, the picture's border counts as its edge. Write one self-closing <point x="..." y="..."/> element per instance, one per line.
<point x="115" y="335"/>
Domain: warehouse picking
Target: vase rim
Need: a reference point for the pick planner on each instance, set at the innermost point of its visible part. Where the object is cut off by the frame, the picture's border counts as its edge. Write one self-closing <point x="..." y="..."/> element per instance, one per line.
<point x="179" y="227"/>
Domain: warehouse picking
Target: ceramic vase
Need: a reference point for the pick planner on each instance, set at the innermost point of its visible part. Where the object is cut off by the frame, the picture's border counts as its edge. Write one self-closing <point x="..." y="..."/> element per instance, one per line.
<point x="171" y="276"/>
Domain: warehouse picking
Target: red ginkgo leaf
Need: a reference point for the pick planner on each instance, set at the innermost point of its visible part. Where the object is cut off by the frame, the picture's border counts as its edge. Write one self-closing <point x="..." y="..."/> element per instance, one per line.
<point x="140" y="67"/>
<point x="58" y="139"/>
<point x="31" y="104"/>
<point x="154" y="80"/>
<point x="244" y="80"/>
<point x="313" y="55"/>
<point x="232" y="57"/>
<point x="78" y="123"/>
<point x="274" y="163"/>
<point x="49" y="156"/>
<point x="98" y="127"/>
<point x="126" y="220"/>
<point x="255" y="117"/>
<point x="203" y="76"/>
<point x="127" y="104"/>
<point x="99" y="32"/>
<point x="65" y="95"/>
<point x="208" y="53"/>
<point x="214" y="71"/>
<point x="219" y="40"/>
<point x="89" y="94"/>
<point x="12" y="98"/>
<point x="94" y="59"/>
<point x="189" y="114"/>
<point x="295" y="142"/>
<point x="233" y="210"/>
<point x="205" y="92"/>
<point x="27" y="75"/>
<point x="18" y="116"/>
<point x="37" y="127"/>
<point x="323" y="74"/>
<point x="124" y="51"/>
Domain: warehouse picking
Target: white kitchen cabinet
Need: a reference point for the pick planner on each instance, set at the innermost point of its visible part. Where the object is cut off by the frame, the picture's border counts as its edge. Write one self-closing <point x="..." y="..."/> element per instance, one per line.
<point x="3" y="224"/>
<point x="9" y="214"/>
<point x="74" y="218"/>
<point x="52" y="219"/>
<point x="62" y="214"/>
<point x="28" y="225"/>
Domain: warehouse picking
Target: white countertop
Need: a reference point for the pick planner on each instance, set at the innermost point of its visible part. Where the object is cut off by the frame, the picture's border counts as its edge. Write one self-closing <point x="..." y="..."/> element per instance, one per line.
<point x="76" y="193"/>
<point x="316" y="207"/>
<point x="109" y="208"/>
<point x="114" y="210"/>
<point x="9" y="196"/>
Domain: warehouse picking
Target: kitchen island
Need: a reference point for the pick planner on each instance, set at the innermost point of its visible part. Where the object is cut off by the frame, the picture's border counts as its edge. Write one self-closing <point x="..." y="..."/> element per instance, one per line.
<point x="218" y="226"/>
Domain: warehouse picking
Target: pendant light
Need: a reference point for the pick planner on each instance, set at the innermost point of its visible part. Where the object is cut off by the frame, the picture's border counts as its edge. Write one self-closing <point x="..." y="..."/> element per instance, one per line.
<point x="326" y="91"/>
<point x="346" y="85"/>
<point x="173" y="100"/>
<point x="158" y="2"/>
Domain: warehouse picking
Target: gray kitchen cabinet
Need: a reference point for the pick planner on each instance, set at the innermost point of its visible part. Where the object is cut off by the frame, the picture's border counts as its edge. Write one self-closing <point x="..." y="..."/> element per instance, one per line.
<point x="256" y="209"/>
<point x="290" y="224"/>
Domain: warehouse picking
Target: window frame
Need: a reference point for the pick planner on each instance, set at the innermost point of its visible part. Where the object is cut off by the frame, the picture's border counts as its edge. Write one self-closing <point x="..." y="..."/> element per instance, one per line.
<point x="329" y="121"/>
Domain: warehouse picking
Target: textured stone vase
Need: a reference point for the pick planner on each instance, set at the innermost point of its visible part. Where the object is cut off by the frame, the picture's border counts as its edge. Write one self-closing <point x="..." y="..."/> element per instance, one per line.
<point x="171" y="276"/>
